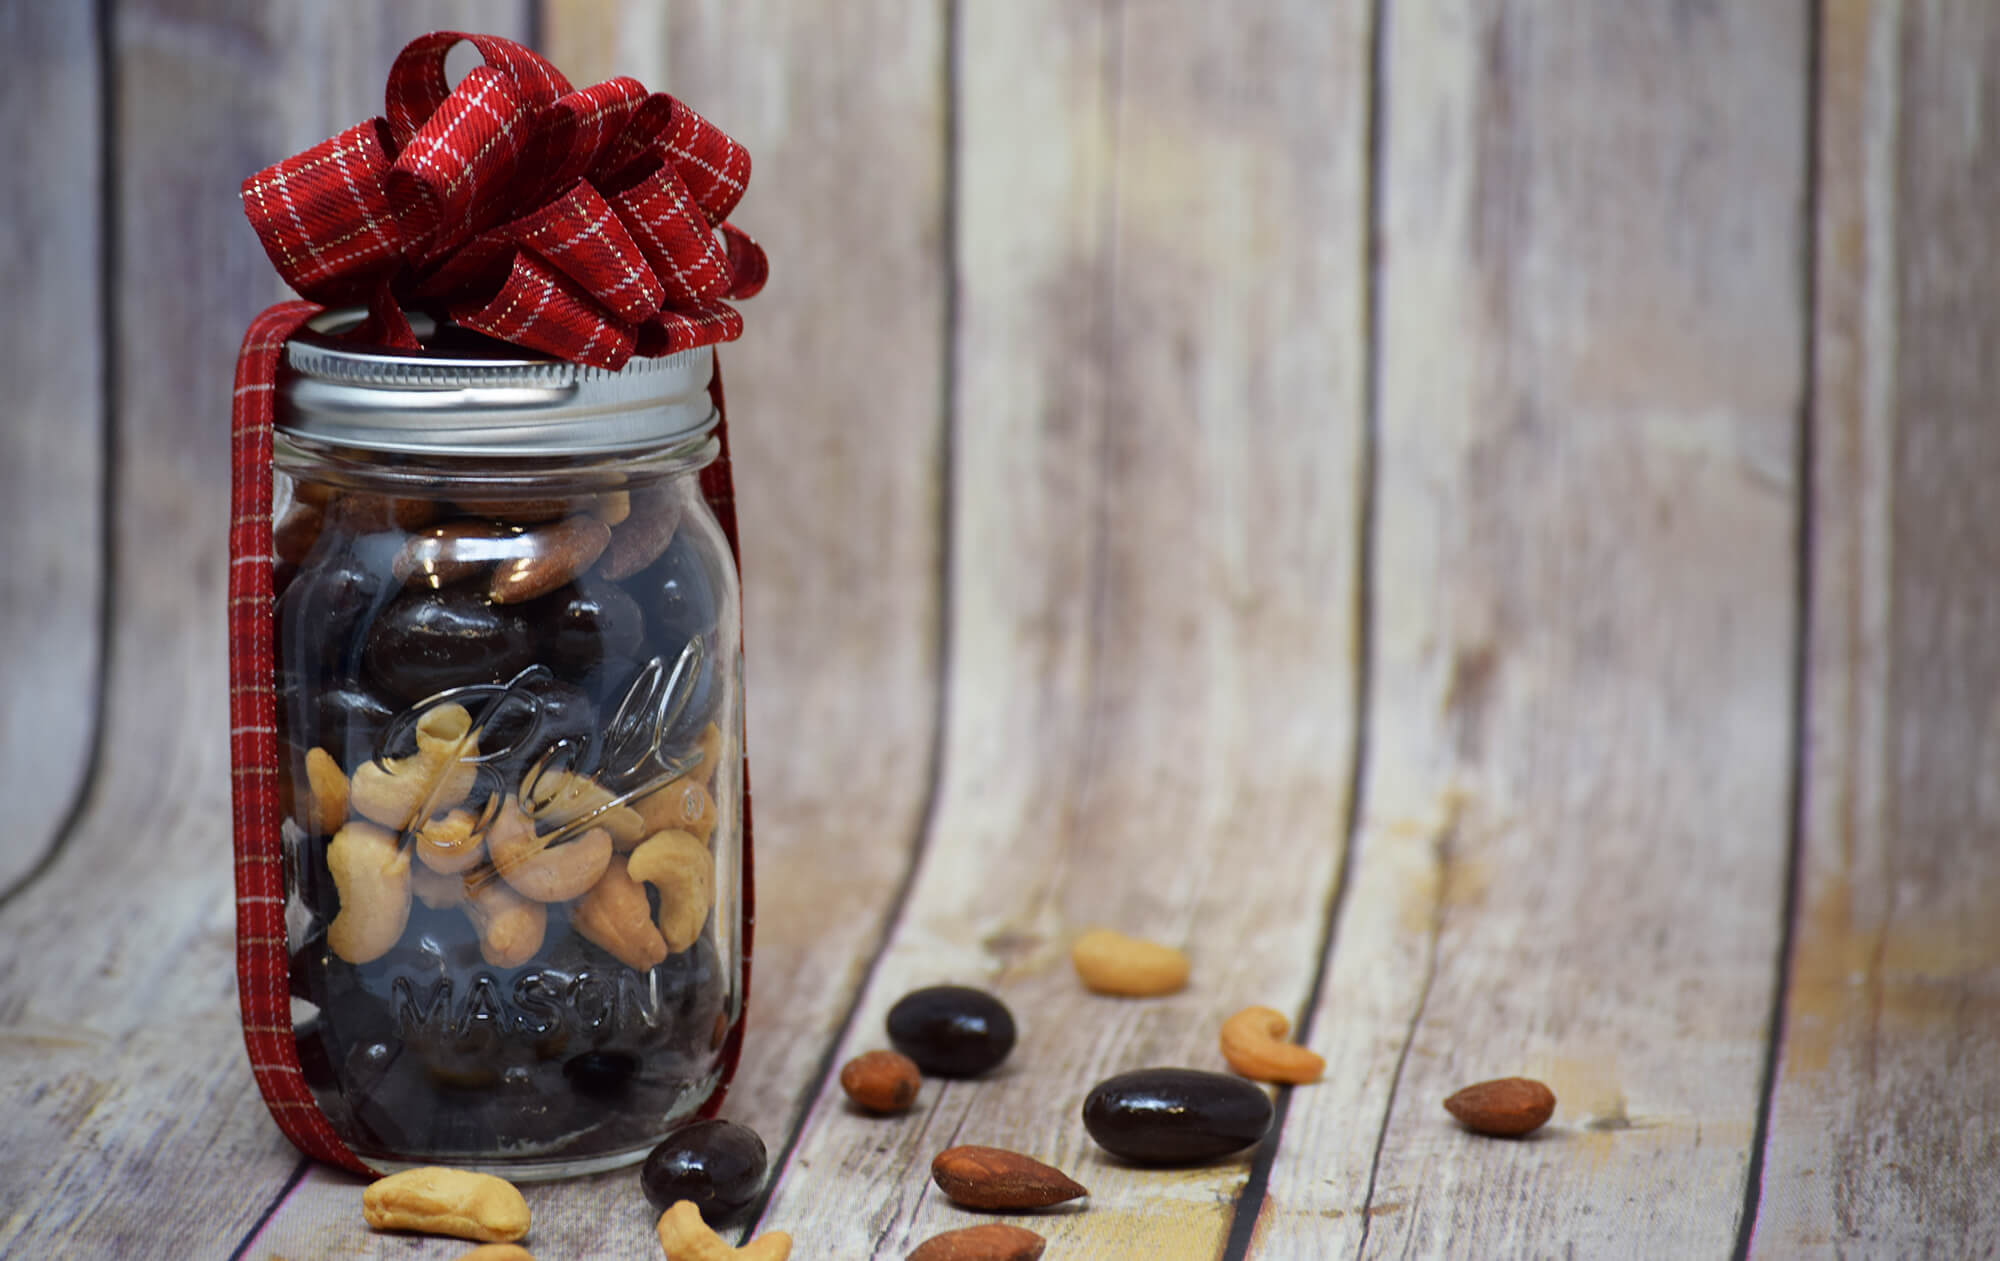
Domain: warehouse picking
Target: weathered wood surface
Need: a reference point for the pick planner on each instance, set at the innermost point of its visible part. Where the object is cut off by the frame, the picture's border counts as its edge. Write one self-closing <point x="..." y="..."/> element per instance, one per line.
<point x="1572" y="848"/>
<point x="133" y="1126"/>
<point x="1881" y="1142"/>
<point x="1160" y="413"/>
<point x="1156" y="453"/>
<point x="52" y="448"/>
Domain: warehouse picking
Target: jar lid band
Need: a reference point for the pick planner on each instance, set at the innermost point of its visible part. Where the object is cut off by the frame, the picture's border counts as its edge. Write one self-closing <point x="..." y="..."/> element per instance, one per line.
<point x="485" y="398"/>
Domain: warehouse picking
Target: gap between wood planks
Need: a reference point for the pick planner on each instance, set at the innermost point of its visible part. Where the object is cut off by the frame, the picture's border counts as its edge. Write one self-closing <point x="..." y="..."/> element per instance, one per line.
<point x="946" y="502"/>
<point x="108" y="259"/>
<point x="1249" y="1206"/>
<point x="1774" y="1028"/>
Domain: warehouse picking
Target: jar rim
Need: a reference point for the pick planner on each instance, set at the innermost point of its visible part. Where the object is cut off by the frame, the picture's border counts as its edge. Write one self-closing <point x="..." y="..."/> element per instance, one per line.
<point x="484" y="400"/>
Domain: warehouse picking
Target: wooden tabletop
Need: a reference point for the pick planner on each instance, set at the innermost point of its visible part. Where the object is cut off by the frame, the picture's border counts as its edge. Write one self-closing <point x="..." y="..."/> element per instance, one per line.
<point x="1470" y="518"/>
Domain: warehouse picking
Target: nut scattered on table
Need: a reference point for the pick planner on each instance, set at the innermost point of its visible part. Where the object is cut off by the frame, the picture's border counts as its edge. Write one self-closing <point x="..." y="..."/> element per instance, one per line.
<point x="1253" y="1043"/>
<point x="994" y="1241"/>
<point x="1109" y="962"/>
<point x="497" y="1252"/>
<point x="995" y="1178"/>
<point x="439" y="1201"/>
<point x="881" y="1081"/>
<point x="685" y="1237"/>
<point x="1507" y="1107"/>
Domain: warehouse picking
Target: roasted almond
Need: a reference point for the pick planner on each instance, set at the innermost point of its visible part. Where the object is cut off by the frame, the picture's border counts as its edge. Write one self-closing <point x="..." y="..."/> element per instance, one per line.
<point x="881" y="1081"/>
<point x="992" y="1177"/>
<point x="991" y="1242"/>
<point x="1507" y="1107"/>
<point x="548" y="557"/>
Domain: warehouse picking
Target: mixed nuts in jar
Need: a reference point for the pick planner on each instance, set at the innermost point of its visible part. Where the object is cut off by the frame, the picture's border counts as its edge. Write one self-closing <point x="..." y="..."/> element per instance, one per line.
<point x="509" y="715"/>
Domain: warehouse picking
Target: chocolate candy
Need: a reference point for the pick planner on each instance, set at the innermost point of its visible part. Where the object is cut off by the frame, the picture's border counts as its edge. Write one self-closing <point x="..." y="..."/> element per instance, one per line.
<point x="717" y="1164"/>
<point x="684" y="598"/>
<point x="320" y="616"/>
<point x="348" y="722"/>
<point x="1175" y="1116"/>
<point x="952" y="1030"/>
<point x="586" y="625"/>
<point x="536" y="715"/>
<point x="601" y="1074"/>
<point x="426" y="642"/>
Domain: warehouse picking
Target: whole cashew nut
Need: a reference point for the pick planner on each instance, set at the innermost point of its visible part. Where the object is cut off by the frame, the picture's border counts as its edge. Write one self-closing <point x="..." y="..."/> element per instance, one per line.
<point x="616" y="916"/>
<point x="510" y="927"/>
<point x="684" y="1236"/>
<point x="438" y="775"/>
<point x="1252" y="1042"/>
<point x="371" y="872"/>
<point x="682" y="869"/>
<point x="451" y="842"/>
<point x="683" y="805"/>
<point x="535" y="869"/>
<point x="711" y="744"/>
<point x="326" y="789"/>
<point x="1109" y="962"/>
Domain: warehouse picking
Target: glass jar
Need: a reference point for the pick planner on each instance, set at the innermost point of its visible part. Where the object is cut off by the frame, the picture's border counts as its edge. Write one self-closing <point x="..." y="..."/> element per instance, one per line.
<point x="509" y="710"/>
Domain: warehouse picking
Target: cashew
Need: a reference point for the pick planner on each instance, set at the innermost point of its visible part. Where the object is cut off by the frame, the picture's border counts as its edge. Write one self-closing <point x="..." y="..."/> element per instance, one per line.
<point x="326" y="792"/>
<point x="546" y="873"/>
<point x="436" y="778"/>
<point x="682" y="869"/>
<point x="510" y="927"/>
<point x="498" y="1252"/>
<point x="612" y="506"/>
<point x="557" y="799"/>
<point x="371" y="872"/>
<point x="451" y="842"/>
<point x="436" y="889"/>
<point x="616" y="916"/>
<point x="1109" y="962"/>
<point x="684" y="805"/>
<point x="445" y="731"/>
<point x="1252" y="1042"/>
<point x="685" y="1237"/>
<point x="710" y="743"/>
<point x="455" y="1202"/>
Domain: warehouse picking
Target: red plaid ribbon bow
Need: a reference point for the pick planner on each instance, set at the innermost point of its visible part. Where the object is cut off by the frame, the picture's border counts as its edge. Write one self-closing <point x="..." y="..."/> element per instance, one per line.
<point x="588" y="224"/>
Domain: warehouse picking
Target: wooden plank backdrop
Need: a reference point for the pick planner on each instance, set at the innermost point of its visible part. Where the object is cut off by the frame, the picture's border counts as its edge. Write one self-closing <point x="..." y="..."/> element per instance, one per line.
<point x="1466" y="515"/>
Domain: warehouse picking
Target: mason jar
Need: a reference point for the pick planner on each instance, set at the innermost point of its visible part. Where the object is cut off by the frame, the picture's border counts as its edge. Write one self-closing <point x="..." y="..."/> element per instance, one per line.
<point x="510" y="721"/>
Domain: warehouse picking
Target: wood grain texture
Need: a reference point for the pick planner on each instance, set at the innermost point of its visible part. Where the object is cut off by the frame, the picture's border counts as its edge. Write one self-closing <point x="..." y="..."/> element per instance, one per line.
<point x="1149" y="705"/>
<point x="837" y="418"/>
<point x="1574" y="830"/>
<point x="836" y="427"/>
<point x="134" y="1128"/>
<point x="52" y="451"/>
<point x="1886" y="1070"/>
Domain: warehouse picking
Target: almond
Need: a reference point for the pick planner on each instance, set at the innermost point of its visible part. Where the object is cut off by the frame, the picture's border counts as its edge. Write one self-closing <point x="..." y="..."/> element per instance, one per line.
<point x="1504" y="1108"/>
<point x="881" y="1081"/>
<point x="992" y="1177"/>
<point x="547" y="557"/>
<point x="991" y="1242"/>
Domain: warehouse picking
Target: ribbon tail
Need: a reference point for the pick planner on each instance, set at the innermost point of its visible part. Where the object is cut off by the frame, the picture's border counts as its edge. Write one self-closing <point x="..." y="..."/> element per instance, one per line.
<point x="263" y="964"/>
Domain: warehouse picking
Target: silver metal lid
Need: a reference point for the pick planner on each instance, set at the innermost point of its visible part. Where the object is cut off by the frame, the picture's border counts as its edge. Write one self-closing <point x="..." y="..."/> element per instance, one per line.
<point x="476" y="401"/>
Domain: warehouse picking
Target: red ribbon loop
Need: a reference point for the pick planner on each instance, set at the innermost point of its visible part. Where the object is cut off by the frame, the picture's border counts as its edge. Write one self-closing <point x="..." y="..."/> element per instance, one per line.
<point x="589" y="224"/>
